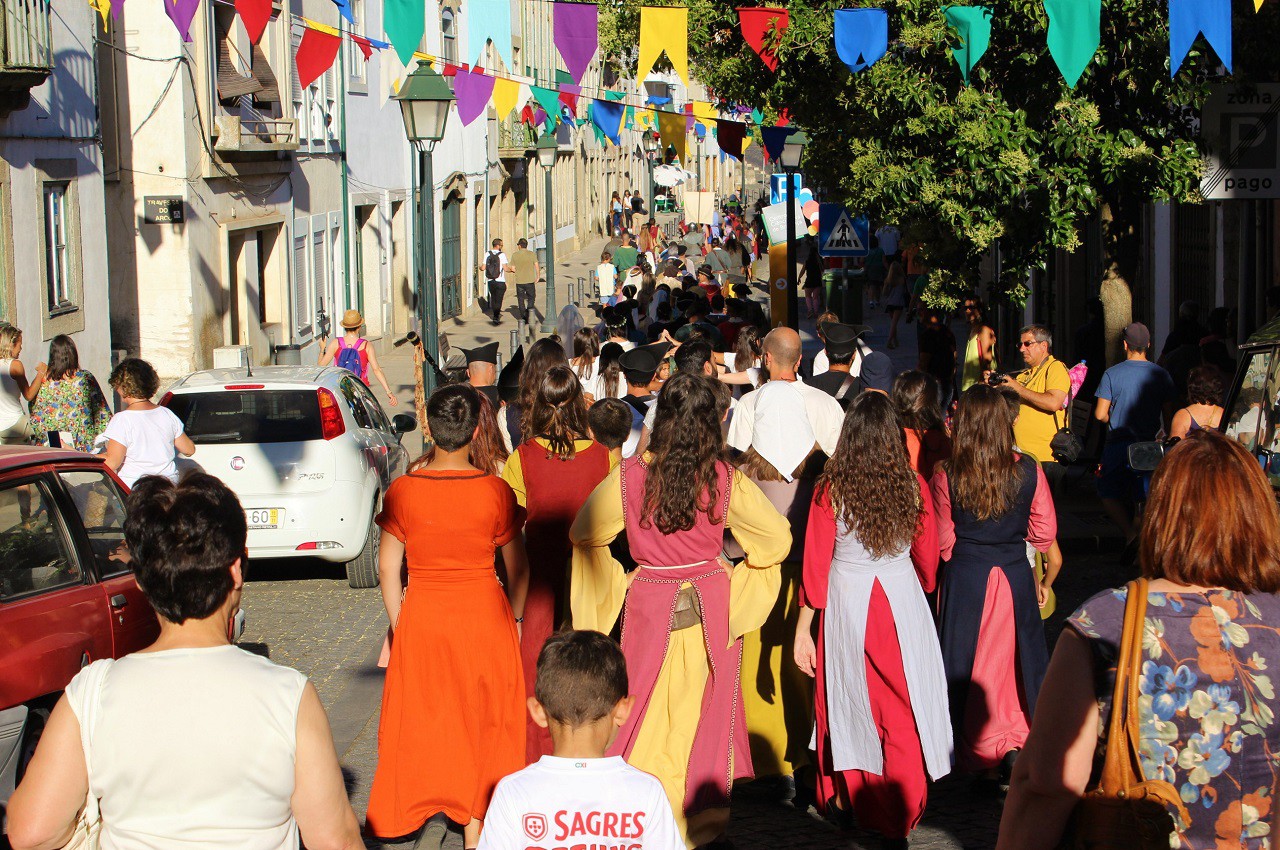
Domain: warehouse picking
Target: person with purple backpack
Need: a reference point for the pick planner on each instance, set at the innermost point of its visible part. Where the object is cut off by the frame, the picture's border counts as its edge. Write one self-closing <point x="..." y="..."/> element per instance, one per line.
<point x="353" y="353"/>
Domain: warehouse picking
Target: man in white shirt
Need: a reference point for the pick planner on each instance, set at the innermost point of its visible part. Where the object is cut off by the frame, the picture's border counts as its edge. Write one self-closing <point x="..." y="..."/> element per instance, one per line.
<point x="607" y="279"/>
<point x="782" y="352"/>
<point x="495" y="270"/>
<point x="889" y="238"/>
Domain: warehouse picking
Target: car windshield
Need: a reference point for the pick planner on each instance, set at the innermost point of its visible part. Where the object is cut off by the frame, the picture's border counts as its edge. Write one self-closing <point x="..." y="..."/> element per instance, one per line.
<point x="249" y="416"/>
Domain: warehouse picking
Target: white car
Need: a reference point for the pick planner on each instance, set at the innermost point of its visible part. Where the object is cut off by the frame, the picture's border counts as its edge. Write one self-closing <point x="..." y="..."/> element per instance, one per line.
<point x="308" y="450"/>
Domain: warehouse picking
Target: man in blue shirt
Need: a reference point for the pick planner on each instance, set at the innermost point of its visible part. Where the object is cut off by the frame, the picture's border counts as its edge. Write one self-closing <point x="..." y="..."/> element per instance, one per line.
<point x="1133" y="397"/>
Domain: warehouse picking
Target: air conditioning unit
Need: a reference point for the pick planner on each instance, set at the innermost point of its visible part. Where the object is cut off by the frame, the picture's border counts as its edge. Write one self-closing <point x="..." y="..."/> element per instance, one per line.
<point x="227" y="128"/>
<point x="231" y="357"/>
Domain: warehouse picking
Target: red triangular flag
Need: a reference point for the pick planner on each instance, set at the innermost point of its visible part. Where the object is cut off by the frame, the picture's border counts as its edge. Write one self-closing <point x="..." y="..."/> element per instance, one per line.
<point x="450" y="70"/>
<point x="756" y="23"/>
<point x="366" y="49"/>
<point x="784" y="118"/>
<point x="315" y="55"/>
<point x="569" y="96"/>
<point x="254" y="14"/>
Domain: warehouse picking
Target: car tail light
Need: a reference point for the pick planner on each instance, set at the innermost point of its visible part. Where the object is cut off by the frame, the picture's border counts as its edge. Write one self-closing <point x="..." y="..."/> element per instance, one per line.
<point x="317" y="544"/>
<point x="331" y="424"/>
<point x="165" y="399"/>
<point x="244" y="386"/>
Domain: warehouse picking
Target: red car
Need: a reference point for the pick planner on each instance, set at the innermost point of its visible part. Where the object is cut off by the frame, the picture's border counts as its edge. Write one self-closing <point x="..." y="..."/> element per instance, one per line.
<point x="65" y="596"/>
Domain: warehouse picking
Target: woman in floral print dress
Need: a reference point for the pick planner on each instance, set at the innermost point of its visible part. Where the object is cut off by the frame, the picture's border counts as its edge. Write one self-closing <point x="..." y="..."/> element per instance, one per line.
<point x="1207" y="705"/>
<point x="70" y="400"/>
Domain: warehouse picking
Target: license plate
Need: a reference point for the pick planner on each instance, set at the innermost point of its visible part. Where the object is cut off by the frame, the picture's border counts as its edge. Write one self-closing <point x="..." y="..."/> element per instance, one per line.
<point x="264" y="517"/>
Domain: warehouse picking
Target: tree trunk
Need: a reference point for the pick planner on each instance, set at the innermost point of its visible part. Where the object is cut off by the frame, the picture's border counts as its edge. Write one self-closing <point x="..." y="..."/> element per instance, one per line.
<point x="1120" y="247"/>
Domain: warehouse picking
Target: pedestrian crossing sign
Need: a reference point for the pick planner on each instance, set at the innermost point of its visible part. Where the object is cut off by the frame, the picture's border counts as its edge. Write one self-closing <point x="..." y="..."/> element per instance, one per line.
<point x="841" y="235"/>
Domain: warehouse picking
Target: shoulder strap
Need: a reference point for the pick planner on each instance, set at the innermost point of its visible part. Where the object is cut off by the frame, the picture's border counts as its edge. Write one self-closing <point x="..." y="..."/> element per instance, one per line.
<point x="95" y="677"/>
<point x="849" y="381"/>
<point x="1120" y="767"/>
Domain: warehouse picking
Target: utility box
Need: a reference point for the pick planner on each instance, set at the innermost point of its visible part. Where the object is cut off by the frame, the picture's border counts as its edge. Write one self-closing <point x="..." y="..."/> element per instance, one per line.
<point x="231" y="357"/>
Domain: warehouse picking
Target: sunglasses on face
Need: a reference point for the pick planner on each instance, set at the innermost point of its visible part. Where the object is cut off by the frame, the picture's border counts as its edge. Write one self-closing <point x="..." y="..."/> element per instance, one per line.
<point x="1025" y="344"/>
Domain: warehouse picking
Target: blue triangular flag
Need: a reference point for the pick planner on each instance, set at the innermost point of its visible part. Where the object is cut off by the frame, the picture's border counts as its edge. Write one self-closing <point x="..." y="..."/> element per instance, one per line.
<point x="607" y="115"/>
<point x="862" y="36"/>
<point x="775" y="138"/>
<point x="1190" y="18"/>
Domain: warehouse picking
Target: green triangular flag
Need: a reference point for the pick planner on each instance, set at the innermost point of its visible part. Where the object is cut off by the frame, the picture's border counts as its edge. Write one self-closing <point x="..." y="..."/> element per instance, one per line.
<point x="973" y="25"/>
<point x="549" y="100"/>
<point x="757" y="116"/>
<point x="404" y="22"/>
<point x="615" y="95"/>
<point x="1075" y="31"/>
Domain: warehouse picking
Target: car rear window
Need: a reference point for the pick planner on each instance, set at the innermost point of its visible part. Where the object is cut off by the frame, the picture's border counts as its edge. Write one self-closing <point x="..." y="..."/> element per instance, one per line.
<point x="249" y="416"/>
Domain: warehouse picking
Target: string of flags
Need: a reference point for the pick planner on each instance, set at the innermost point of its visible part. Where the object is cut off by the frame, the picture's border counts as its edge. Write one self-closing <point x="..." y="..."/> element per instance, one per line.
<point x="861" y="37"/>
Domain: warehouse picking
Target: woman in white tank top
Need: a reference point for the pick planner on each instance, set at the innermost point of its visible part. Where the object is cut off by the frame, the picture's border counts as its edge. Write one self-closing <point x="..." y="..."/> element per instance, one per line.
<point x="14" y="388"/>
<point x="191" y="742"/>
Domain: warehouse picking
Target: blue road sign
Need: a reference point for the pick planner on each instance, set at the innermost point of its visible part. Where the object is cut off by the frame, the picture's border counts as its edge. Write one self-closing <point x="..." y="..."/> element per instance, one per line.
<point x="778" y="187"/>
<point x="840" y="234"/>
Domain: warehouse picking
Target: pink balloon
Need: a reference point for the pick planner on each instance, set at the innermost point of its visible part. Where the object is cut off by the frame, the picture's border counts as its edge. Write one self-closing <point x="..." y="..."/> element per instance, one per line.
<point x="810" y="209"/>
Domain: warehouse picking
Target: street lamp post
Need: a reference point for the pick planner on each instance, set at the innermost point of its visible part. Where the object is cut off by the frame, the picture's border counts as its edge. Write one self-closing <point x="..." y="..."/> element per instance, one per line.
<point x="650" y="153"/>
<point x="548" y="147"/>
<point x="792" y="151"/>
<point x="424" y="104"/>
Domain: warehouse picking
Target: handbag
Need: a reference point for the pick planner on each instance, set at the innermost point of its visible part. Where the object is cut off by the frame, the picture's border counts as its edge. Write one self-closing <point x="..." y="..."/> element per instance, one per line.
<point x="88" y="827"/>
<point x="1065" y="446"/>
<point x="1123" y="810"/>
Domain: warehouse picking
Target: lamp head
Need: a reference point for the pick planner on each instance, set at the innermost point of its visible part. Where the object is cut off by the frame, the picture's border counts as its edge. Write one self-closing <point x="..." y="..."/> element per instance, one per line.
<point x="548" y="147"/>
<point x="793" y="150"/>
<point x="424" y="104"/>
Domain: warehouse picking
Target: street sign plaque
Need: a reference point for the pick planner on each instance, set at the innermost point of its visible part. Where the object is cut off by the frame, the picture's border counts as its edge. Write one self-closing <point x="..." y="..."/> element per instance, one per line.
<point x="1242" y="129"/>
<point x="841" y="235"/>
<point x="163" y="209"/>
<point x="775" y="222"/>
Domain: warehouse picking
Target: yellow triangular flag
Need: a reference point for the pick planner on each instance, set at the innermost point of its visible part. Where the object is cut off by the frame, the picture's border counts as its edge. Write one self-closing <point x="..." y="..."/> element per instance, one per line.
<point x="671" y="128"/>
<point x="1257" y="5"/>
<point x="103" y="8"/>
<point x="705" y="114"/>
<point x="746" y="142"/>
<point x="319" y="27"/>
<point x="664" y="28"/>
<point x="505" y="95"/>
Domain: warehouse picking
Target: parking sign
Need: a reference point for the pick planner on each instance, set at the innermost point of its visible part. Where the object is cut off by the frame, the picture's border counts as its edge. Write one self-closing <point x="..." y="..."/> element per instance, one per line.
<point x="1242" y="128"/>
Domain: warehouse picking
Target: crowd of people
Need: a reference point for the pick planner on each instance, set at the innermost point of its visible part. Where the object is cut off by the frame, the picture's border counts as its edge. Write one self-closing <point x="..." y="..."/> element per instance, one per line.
<point x="669" y="552"/>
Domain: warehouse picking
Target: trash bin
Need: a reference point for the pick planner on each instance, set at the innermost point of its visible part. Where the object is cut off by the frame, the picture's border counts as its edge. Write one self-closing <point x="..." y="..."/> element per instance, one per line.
<point x="834" y="294"/>
<point x="287" y="355"/>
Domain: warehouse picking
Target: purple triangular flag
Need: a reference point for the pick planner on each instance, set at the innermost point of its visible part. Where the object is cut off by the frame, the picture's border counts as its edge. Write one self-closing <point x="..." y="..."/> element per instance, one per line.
<point x="574" y="26"/>
<point x="182" y="13"/>
<point x="473" y="90"/>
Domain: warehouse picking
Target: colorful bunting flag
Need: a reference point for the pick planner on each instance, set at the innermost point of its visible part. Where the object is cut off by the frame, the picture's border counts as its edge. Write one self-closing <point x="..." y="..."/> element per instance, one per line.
<point x="506" y="94"/>
<point x="182" y="13"/>
<point x="254" y="14"/>
<point x="704" y="113"/>
<point x="1190" y="18"/>
<point x="757" y="23"/>
<point x="569" y="96"/>
<point x="489" y="20"/>
<point x="973" y="25"/>
<point x="1257" y="5"/>
<point x="664" y="29"/>
<point x="671" y="129"/>
<point x="549" y="99"/>
<point x="730" y="136"/>
<point x="404" y="22"/>
<point x="472" y="89"/>
<point x="862" y="36"/>
<point x="1075" y="31"/>
<point x="103" y="8"/>
<point x="344" y="9"/>
<point x="366" y="46"/>
<point x="606" y="115"/>
<point x="775" y="138"/>
<point x="316" y="53"/>
<point x="575" y="30"/>
<point x="757" y="116"/>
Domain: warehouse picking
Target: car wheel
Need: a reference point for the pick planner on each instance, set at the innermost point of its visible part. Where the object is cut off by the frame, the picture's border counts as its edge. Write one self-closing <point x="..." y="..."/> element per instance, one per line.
<point x="362" y="571"/>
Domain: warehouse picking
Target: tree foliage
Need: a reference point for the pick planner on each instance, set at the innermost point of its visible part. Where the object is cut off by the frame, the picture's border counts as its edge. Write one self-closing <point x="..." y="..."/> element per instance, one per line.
<point x="1016" y="156"/>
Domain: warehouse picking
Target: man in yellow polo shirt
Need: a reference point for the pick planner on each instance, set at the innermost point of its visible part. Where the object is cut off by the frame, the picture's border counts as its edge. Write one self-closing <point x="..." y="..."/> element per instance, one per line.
<point x="1042" y="388"/>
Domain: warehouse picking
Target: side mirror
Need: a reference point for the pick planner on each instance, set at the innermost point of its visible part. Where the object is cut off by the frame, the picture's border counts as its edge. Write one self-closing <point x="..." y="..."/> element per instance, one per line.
<point x="1146" y="456"/>
<point x="403" y="423"/>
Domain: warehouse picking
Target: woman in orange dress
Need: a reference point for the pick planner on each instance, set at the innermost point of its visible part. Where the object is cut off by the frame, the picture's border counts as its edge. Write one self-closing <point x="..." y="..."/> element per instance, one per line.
<point x="453" y="704"/>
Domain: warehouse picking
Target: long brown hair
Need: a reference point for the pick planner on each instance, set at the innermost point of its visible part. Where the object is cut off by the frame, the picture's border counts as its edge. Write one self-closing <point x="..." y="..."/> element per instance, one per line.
<point x="916" y="398"/>
<point x="586" y="348"/>
<point x="869" y="480"/>
<point x="542" y="355"/>
<point x="559" y="413"/>
<point x="487" y="450"/>
<point x="1188" y="538"/>
<point x="683" y="476"/>
<point x="983" y="474"/>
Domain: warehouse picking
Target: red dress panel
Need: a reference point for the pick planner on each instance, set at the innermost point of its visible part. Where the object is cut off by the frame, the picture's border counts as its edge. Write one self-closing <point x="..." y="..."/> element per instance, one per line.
<point x="555" y="491"/>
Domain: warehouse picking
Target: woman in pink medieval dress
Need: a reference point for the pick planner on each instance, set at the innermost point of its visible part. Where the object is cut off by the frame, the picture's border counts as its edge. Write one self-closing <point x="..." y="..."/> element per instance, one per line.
<point x="684" y="609"/>
<point x="871" y="553"/>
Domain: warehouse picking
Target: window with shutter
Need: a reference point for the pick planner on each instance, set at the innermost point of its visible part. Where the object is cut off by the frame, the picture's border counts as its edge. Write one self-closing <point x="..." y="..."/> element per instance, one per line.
<point x="297" y="95"/>
<point x="331" y="83"/>
<point x="301" y="289"/>
<point x="319" y="270"/>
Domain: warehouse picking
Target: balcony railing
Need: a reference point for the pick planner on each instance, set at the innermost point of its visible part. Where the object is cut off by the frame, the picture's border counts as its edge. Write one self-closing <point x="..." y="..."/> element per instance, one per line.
<point x="515" y="138"/>
<point x="235" y="133"/>
<point x="27" y="57"/>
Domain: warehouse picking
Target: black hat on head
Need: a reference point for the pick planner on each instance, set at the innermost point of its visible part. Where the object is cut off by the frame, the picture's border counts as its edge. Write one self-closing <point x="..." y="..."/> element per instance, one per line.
<point x="877" y="372"/>
<point x="509" y="377"/>
<point x="842" y="340"/>
<point x="483" y="354"/>
<point x="641" y="364"/>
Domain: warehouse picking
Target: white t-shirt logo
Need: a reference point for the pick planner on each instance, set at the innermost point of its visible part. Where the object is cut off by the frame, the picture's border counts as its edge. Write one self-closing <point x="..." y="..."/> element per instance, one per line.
<point x="535" y="826"/>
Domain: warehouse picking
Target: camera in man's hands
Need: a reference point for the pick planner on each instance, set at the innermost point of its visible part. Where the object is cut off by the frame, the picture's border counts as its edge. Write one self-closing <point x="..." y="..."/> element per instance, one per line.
<point x="996" y="379"/>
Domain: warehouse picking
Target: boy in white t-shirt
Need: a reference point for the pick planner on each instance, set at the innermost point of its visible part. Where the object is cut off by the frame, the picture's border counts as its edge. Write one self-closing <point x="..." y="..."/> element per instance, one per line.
<point x="578" y="797"/>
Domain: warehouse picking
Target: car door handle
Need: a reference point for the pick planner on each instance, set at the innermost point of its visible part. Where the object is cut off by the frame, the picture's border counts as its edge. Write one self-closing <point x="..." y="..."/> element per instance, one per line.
<point x="119" y="600"/>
